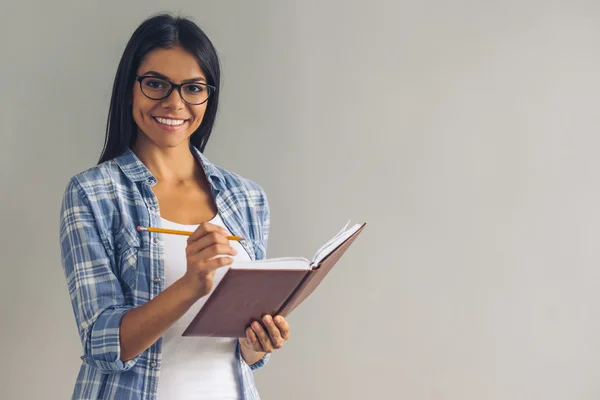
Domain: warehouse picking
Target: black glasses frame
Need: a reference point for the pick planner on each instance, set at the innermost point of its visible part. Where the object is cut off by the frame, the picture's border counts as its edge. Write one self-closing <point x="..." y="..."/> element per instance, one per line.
<point x="211" y="88"/>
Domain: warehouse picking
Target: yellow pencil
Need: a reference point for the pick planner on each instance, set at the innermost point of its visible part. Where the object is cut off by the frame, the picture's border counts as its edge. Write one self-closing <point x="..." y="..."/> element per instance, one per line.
<point x="176" y="232"/>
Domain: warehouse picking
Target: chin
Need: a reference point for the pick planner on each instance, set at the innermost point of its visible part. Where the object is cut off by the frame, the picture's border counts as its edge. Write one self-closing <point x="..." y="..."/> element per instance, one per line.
<point x="171" y="144"/>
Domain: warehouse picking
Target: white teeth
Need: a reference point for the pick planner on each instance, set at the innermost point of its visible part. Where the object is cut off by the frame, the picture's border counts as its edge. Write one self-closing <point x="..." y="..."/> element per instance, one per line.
<point x="171" y="122"/>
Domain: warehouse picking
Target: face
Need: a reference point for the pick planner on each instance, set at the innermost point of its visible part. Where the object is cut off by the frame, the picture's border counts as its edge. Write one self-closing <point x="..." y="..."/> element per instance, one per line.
<point x="169" y="122"/>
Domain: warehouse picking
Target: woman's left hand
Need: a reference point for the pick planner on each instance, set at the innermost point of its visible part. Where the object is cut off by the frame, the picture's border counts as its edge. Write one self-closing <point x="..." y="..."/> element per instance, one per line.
<point x="267" y="335"/>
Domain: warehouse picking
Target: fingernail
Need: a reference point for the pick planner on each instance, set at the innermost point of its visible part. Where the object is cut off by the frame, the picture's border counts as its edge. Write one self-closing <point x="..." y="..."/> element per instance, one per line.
<point x="256" y="326"/>
<point x="267" y="319"/>
<point x="278" y="319"/>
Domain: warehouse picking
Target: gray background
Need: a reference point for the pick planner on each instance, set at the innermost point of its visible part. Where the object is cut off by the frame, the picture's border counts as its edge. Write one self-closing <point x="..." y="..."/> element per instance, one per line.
<point x="464" y="133"/>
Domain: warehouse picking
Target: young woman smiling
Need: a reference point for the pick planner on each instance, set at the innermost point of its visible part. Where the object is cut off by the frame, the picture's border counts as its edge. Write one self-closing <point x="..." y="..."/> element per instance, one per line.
<point x="133" y="293"/>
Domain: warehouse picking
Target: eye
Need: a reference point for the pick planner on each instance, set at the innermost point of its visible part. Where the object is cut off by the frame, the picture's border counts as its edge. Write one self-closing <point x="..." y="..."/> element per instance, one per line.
<point x="155" y="84"/>
<point x="195" y="89"/>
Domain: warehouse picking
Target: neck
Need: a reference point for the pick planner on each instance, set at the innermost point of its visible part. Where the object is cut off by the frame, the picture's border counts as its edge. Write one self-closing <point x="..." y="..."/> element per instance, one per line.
<point x="171" y="164"/>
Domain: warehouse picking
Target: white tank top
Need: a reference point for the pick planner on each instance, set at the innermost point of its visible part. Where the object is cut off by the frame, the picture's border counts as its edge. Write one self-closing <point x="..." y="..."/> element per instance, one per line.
<point x="195" y="367"/>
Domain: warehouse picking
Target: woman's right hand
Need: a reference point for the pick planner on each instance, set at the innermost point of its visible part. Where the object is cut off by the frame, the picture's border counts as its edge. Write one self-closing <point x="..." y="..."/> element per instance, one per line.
<point x="207" y="249"/>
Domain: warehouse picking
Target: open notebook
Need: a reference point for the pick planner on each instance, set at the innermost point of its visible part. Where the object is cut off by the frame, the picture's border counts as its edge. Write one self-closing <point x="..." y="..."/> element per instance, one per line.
<point x="250" y="289"/>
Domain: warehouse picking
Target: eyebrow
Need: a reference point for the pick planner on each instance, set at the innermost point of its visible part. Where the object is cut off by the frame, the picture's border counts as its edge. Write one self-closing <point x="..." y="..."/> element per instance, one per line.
<point x="161" y="76"/>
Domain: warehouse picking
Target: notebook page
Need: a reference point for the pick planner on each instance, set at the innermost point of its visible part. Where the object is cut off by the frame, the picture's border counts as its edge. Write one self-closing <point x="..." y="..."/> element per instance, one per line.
<point x="333" y="243"/>
<point x="289" y="263"/>
<point x="341" y="232"/>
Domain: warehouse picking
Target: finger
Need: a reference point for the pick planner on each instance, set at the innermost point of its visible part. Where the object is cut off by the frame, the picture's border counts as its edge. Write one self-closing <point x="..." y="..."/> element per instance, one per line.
<point x="253" y="339"/>
<point x="204" y="229"/>
<point x="210" y="252"/>
<point x="203" y="267"/>
<point x="284" y="327"/>
<point x="207" y="241"/>
<point x="263" y="337"/>
<point x="206" y="238"/>
<point x="273" y="330"/>
<point x="216" y="263"/>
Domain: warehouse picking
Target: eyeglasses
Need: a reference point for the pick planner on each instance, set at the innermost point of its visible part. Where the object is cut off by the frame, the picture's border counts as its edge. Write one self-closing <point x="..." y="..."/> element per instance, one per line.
<point x="194" y="93"/>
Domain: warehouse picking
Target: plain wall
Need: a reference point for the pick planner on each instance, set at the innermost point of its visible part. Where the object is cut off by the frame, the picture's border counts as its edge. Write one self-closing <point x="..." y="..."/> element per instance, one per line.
<point x="464" y="133"/>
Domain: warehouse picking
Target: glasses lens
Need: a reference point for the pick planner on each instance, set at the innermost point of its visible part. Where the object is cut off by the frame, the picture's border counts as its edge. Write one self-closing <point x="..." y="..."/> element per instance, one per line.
<point x="195" y="93"/>
<point x="155" y="88"/>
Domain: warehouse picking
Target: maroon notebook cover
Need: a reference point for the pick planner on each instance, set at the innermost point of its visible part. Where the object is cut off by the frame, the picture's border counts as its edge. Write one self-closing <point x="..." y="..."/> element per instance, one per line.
<point x="244" y="295"/>
<point x="316" y="275"/>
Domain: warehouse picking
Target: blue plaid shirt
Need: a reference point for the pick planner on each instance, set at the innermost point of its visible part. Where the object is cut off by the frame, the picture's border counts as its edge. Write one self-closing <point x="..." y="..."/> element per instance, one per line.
<point x="110" y="267"/>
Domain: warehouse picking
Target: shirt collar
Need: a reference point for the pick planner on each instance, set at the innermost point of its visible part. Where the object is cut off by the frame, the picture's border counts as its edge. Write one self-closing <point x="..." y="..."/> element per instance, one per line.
<point x="136" y="170"/>
<point x="210" y="169"/>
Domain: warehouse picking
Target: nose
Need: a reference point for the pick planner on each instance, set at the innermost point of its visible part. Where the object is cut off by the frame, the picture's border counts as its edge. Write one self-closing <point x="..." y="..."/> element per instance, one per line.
<point x="174" y="101"/>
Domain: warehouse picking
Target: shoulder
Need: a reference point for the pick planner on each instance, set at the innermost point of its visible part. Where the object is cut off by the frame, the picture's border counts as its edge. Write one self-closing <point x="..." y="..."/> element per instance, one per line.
<point x="102" y="195"/>
<point x="243" y="186"/>
<point x="246" y="192"/>
<point x="105" y="180"/>
<point x="230" y="181"/>
<point x="247" y="200"/>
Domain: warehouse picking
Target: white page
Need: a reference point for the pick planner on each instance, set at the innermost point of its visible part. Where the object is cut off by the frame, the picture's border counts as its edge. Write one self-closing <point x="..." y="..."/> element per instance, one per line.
<point x="332" y="239"/>
<point x="333" y="243"/>
<point x="290" y="263"/>
<point x="300" y="263"/>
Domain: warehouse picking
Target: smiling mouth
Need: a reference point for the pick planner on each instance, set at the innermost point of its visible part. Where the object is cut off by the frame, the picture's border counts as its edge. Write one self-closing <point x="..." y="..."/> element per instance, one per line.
<point x="169" y="121"/>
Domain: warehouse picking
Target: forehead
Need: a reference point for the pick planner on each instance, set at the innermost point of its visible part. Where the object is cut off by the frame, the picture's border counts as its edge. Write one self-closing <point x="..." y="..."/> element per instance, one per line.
<point x="175" y="63"/>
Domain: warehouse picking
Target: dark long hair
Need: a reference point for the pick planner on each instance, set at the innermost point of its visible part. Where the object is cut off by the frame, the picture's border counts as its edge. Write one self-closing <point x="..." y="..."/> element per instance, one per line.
<point x="160" y="31"/>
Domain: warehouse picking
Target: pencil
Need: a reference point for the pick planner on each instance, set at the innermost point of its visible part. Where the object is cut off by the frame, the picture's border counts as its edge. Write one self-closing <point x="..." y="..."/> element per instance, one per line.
<point x="176" y="232"/>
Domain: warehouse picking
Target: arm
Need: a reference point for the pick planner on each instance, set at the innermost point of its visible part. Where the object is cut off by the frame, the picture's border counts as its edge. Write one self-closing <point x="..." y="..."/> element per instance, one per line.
<point x="144" y="325"/>
<point x="247" y="348"/>
<point x="114" y="333"/>
<point x="263" y="337"/>
<point x="96" y="296"/>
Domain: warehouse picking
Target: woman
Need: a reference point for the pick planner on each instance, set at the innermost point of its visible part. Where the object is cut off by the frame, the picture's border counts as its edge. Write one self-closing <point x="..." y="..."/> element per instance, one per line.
<point x="134" y="292"/>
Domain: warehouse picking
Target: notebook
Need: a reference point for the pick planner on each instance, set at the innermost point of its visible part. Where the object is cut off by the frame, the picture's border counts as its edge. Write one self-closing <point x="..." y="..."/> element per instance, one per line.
<point x="251" y="289"/>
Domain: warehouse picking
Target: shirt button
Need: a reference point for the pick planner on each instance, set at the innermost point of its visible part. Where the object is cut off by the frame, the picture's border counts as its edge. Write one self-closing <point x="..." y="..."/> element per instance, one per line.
<point x="155" y="241"/>
<point x="156" y="280"/>
<point x="152" y="208"/>
<point x="153" y="364"/>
